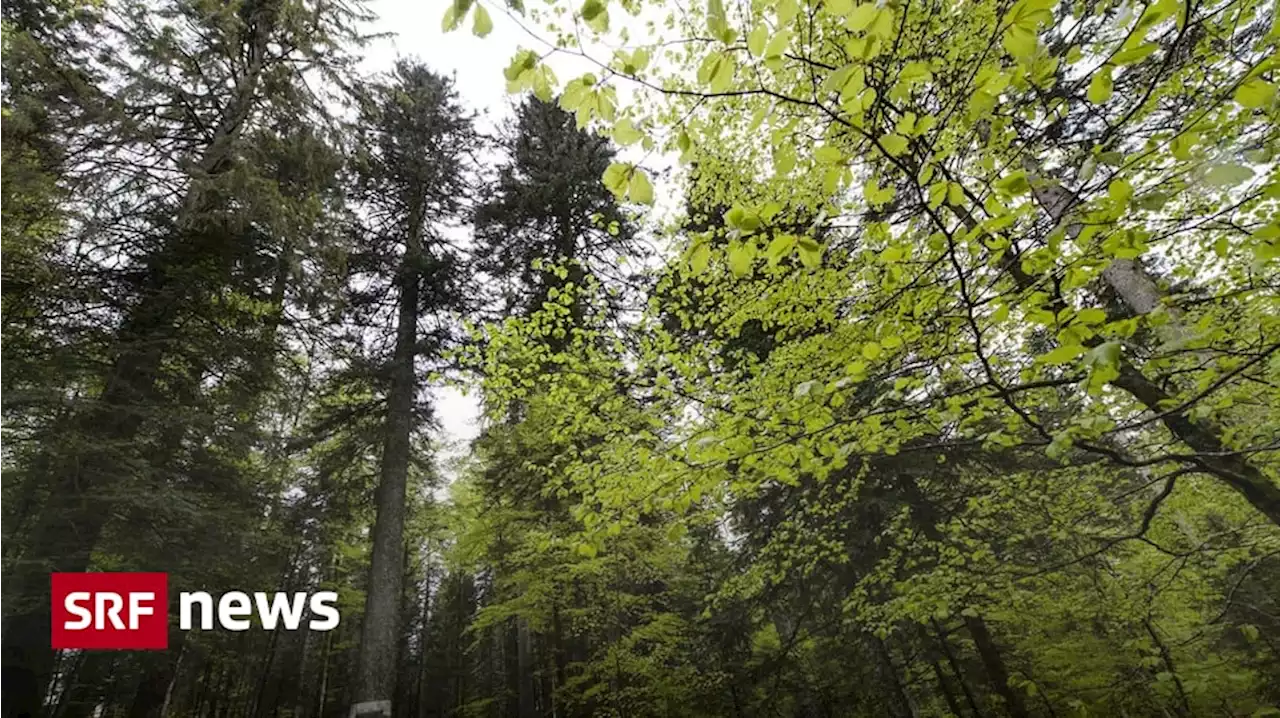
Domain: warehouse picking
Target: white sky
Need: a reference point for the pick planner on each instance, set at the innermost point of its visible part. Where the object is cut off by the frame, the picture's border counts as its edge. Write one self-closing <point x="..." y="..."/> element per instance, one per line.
<point x="477" y="66"/>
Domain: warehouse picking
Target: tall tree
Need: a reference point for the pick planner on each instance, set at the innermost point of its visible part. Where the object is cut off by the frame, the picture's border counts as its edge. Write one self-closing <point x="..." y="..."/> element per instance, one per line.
<point x="414" y="183"/>
<point x="548" y="210"/>
<point x="166" y="192"/>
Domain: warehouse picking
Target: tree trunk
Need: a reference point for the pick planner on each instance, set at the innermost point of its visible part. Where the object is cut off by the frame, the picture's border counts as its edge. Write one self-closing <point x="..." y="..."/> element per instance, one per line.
<point x="956" y="669"/>
<point x="67" y="529"/>
<point x="524" y="660"/>
<point x="994" y="663"/>
<point x="953" y="705"/>
<point x="153" y="692"/>
<point x="379" y="639"/>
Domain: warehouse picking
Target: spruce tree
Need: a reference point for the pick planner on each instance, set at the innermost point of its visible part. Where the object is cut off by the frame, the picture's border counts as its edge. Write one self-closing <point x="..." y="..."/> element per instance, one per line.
<point x="413" y="184"/>
<point x="170" y="202"/>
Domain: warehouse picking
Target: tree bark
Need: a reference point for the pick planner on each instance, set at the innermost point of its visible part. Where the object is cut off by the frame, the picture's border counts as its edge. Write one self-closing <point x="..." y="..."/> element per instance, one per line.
<point x="524" y="660"/>
<point x="379" y="639"/>
<point x="956" y="669"/>
<point x="994" y="664"/>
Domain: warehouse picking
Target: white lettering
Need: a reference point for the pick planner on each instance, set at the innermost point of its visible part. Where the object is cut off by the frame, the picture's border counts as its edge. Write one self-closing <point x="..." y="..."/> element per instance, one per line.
<point x="116" y="602"/>
<point x="230" y="607"/>
<point x="281" y="606"/>
<point x="319" y="601"/>
<point x="186" y="601"/>
<point x="72" y="604"/>
<point x="137" y="609"/>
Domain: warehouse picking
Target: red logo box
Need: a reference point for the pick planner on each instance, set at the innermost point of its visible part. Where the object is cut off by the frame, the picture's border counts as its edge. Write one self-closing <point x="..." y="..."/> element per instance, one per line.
<point x="94" y="611"/>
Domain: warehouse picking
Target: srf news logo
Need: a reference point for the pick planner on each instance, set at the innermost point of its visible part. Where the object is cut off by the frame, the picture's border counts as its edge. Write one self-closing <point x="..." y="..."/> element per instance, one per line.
<point x="130" y="611"/>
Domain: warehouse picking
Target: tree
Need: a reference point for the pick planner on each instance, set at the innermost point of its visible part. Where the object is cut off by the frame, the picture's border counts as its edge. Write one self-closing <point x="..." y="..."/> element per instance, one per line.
<point x="549" y="210"/>
<point x="413" y="179"/>
<point x="177" y="219"/>
<point x="974" y="239"/>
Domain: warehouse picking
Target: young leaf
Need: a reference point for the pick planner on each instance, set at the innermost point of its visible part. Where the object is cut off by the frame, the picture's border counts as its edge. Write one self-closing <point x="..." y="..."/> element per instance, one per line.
<point x="1100" y="86"/>
<point x="779" y="248"/>
<point x="1255" y="93"/>
<point x="1228" y="174"/>
<point x="894" y="145"/>
<point x="1063" y="354"/>
<point x="756" y="39"/>
<point x="741" y="255"/>
<point x="699" y="258"/>
<point x="482" y="23"/>
<point x="862" y="17"/>
<point x="616" y="178"/>
<point x="810" y="252"/>
<point x="625" y="133"/>
<point x="638" y="189"/>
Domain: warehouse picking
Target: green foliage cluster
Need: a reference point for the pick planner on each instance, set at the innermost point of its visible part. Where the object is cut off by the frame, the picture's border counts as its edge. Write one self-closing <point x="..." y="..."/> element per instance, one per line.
<point x="938" y="376"/>
<point x="967" y="358"/>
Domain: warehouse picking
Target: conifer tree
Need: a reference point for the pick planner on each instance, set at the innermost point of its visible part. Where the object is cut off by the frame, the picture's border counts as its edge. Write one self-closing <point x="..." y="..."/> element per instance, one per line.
<point x="171" y="204"/>
<point x="414" y="183"/>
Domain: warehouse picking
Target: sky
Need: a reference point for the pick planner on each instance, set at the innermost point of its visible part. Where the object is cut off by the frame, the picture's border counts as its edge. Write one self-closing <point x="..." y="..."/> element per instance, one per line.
<point x="477" y="66"/>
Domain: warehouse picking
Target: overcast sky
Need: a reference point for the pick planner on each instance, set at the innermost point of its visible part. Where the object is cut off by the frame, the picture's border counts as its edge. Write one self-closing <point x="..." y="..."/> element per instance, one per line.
<point x="477" y="65"/>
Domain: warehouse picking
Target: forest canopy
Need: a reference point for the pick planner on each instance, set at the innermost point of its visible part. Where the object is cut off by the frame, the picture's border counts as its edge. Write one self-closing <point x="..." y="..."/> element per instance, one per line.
<point x="913" y="358"/>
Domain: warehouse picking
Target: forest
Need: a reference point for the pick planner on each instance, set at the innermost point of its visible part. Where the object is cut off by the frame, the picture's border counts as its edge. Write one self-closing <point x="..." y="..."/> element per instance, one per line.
<point x="835" y="358"/>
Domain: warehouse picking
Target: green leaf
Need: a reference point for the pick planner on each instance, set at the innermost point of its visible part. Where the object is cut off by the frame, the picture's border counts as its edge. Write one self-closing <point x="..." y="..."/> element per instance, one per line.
<point x="1182" y="144"/>
<point x="871" y="351"/>
<point x="894" y="144"/>
<point x="625" y="133"/>
<point x="616" y="178"/>
<point x="810" y="252"/>
<point x="1120" y="192"/>
<point x="1104" y="356"/>
<point x="1020" y="42"/>
<point x="1134" y="54"/>
<point x="639" y="189"/>
<point x="1255" y="93"/>
<point x="778" y="44"/>
<point x="741" y="256"/>
<point x="756" y="39"/>
<point x="717" y="22"/>
<point x="451" y="19"/>
<point x="699" y="258"/>
<point x="906" y="124"/>
<point x="779" y="248"/>
<point x="937" y="194"/>
<point x="593" y="10"/>
<point x="722" y="78"/>
<point x="1228" y="174"/>
<point x="482" y="23"/>
<point x="1063" y="354"/>
<point x="839" y="8"/>
<point x="828" y="155"/>
<point x="784" y="159"/>
<point x="1014" y="184"/>
<point x="1100" y="86"/>
<point x="861" y="17"/>
<point x="1091" y="315"/>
